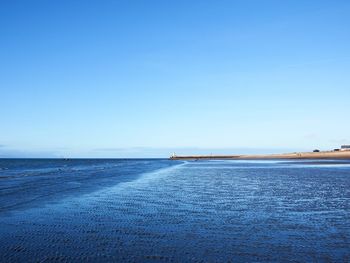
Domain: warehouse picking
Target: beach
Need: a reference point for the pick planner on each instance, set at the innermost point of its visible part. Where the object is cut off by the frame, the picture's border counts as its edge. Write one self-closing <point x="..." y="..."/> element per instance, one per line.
<point x="296" y="155"/>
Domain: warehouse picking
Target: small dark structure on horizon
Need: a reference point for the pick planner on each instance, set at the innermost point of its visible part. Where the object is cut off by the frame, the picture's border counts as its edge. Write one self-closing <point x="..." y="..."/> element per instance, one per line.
<point x="345" y="148"/>
<point x="316" y="151"/>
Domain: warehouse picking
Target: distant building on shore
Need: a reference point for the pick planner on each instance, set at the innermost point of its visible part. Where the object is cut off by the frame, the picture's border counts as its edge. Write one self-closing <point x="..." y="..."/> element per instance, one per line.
<point x="345" y="148"/>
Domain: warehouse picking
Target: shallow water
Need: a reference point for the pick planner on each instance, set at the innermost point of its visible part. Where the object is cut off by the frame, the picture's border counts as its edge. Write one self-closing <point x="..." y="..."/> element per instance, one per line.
<point x="159" y="210"/>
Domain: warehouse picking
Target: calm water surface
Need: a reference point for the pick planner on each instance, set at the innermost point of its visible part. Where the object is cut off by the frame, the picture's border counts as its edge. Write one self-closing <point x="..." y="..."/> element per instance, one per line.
<point x="159" y="210"/>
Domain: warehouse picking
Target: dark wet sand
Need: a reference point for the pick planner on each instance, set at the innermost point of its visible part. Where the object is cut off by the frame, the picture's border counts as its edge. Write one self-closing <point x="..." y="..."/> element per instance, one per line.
<point x="205" y="211"/>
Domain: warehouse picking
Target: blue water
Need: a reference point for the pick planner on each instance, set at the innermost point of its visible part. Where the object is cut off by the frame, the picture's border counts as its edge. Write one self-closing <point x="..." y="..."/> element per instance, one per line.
<point x="159" y="210"/>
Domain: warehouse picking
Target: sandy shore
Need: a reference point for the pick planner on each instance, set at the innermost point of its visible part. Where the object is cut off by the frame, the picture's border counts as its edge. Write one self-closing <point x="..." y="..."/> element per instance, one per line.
<point x="297" y="155"/>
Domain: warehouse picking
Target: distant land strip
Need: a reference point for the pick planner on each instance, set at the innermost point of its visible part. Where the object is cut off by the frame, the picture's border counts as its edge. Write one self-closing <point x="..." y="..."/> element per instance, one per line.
<point x="296" y="155"/>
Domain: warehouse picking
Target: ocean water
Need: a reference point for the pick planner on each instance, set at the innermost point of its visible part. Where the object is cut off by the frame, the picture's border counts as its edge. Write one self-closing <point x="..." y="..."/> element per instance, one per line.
<point x="160" y="210"/>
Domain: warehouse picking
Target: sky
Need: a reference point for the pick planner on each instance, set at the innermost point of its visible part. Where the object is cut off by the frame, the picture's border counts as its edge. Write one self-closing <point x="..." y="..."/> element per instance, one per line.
<point x="148" y="78"/>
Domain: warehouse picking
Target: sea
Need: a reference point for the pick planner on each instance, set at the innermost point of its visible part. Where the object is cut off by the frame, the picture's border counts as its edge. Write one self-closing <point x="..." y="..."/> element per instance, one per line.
<point x="158" y="210"/>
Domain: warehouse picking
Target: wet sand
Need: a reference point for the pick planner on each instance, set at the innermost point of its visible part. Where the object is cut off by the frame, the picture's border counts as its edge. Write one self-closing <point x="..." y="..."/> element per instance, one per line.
<point x="205" y="211"/>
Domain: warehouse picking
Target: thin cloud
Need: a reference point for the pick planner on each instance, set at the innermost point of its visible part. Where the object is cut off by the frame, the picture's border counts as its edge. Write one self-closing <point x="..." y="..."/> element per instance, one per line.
<point x="340" y="141"/>
<point x="116" y="149"/>
<point x="311" y="136"/>
<point x="5" y="152"/>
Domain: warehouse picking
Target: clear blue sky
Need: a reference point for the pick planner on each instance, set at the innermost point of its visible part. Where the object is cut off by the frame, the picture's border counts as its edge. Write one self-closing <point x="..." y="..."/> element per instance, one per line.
<point x="145" y="78"/>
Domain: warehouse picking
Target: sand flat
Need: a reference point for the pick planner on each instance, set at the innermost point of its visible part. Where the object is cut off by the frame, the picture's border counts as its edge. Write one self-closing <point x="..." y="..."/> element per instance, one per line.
<point x="296" y="155"/>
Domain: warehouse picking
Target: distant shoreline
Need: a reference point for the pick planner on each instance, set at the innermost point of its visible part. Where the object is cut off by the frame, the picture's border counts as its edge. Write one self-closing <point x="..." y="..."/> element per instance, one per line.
<point x="296" y="155"/>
